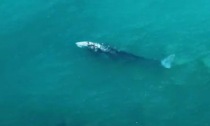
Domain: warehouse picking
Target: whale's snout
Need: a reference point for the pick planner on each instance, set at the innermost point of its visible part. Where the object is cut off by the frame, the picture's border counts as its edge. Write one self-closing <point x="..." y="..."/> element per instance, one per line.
<point x="82" y="44"/>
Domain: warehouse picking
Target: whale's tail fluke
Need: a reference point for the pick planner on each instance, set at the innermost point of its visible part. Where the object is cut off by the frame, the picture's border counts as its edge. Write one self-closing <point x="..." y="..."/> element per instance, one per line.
<point x="167" y="62"/>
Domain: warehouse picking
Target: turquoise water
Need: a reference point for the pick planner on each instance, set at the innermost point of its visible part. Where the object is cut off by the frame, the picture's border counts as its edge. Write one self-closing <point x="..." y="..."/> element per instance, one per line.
<point x="45" y="80"/>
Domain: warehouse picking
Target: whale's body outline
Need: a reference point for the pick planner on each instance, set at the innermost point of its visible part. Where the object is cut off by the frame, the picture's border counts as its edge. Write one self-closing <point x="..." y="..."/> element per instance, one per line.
<point x="113" y="52"/>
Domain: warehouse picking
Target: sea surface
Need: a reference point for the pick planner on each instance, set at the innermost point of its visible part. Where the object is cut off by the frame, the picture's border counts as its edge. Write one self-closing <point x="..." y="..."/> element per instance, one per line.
<point x="45" y="80"/>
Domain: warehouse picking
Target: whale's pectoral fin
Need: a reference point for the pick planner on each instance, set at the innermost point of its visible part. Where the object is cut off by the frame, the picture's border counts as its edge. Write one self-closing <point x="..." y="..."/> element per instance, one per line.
<point x="166" y="62"/>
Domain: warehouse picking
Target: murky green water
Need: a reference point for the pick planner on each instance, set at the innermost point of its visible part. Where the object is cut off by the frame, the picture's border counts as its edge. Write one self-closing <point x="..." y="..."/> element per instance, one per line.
<point x="45" y="80"/>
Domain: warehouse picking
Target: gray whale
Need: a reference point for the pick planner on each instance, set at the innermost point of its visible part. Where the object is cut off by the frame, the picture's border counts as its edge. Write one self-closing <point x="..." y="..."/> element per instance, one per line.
<point x="115" y="53"/>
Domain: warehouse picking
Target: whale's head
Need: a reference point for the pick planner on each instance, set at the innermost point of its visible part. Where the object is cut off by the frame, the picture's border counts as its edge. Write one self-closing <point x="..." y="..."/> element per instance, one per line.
<point x="88" y="44"/>
<point x="82" y="44"/>
<point x="91" y="45"/>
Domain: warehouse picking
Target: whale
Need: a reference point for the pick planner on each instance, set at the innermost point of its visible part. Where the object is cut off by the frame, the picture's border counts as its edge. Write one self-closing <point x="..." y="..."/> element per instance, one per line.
<point x="116" y="53"/>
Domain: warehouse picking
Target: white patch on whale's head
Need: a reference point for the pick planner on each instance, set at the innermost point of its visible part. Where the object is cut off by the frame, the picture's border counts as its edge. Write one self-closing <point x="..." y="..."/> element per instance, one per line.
<point x="91" y="45"/>
<point x="82" y="44"/>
